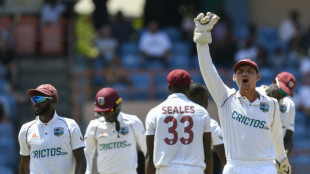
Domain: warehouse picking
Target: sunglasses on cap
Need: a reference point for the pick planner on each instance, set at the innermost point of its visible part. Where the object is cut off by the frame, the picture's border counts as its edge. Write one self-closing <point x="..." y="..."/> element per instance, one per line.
<point x="282" y="92"/>
<point x="39" y="99"/>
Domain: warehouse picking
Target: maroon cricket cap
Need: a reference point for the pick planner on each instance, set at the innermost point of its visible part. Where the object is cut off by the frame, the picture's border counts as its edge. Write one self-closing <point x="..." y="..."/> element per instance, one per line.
<point x="106" y="98"/>
<point x="46" y="89"/>
<point x="245" y="62"/>
<point x="179" y="77"/>
<point x="287" y="82"/>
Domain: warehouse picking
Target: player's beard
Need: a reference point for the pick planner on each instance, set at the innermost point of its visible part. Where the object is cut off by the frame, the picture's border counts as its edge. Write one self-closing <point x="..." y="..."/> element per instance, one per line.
<point x="110" y="117"/>
<point x="42" y="110"/>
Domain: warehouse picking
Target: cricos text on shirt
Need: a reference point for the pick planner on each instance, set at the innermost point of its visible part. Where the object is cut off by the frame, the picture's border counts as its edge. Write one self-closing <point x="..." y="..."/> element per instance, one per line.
<point x="49" y="152"/>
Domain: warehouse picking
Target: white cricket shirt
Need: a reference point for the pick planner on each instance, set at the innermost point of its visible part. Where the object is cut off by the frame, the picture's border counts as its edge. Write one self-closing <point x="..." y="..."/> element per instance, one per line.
<point x="178" y="125"/>
<point x="217" y="137"/>
<point x="50" y="145"/>
<point x="287" y="111"/>
<point x="251" y="131"/>
<point x="115" y="154"/>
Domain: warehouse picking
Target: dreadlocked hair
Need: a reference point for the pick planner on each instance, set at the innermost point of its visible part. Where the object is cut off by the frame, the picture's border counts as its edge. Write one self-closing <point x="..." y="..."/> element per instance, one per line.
<point x="117" y="127"/>
<point x="117" y="111"/>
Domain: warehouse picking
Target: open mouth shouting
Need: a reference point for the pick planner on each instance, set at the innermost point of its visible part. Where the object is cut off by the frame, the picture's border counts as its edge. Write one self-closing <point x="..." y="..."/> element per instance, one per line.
<point x="245" y="80"/>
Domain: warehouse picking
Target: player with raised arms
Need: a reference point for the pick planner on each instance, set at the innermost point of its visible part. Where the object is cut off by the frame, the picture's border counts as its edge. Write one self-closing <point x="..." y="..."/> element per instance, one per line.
<point x="250" y="120"/>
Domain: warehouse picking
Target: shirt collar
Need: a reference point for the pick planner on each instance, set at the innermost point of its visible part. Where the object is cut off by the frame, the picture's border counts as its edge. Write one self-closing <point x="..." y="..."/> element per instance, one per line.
<point x="177" y="95"/>
<point x="38" y="121"/>
<point x="261" y="98"/>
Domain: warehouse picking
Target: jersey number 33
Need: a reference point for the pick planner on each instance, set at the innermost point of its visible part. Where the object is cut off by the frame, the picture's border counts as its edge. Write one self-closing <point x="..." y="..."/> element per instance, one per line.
<point x="172" y="130"/>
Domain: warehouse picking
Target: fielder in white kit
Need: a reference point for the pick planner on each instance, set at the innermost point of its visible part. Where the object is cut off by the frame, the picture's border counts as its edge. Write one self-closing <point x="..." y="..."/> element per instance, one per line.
<point x="178" y="132"/>
<point x="282" y="87"/>
<point x="250" y="120"/>
<point x="113" y="135"/>
<point x="50" y="143"/>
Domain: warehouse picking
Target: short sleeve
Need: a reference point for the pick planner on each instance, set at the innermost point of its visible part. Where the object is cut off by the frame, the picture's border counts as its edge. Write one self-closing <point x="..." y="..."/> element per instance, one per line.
<point x="77" y="139"/>
<point x="140" y="134"/>
<point x="24" y="146"/>
<point x="291" y="119"/>
<point x="206" y="119"/>
<point x="217" y="137"/>
<point x="91" y="145"/>
<point x="150" y="124"/>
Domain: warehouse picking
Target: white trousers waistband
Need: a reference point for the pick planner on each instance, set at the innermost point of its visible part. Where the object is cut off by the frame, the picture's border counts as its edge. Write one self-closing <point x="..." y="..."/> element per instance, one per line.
<point x="249" y="163"/>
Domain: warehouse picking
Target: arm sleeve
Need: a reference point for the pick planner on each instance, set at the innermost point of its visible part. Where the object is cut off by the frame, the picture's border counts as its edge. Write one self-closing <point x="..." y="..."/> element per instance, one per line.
<point x="206" y="117"/>
<point x="277" y="134"/>
<point x="24" y="147"/>
<point x="217" y="137"/>
<point x="291" y="121"/>
<point x="149" y="124"/>
<point x="90" y="148"/>
<point x="216" y="86"/>
<point x="77" y="139"/>
<point x="140" y="135"/>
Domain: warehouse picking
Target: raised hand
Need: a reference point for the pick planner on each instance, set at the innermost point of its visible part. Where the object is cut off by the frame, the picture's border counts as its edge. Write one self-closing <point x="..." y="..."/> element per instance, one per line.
<point x="203" y="27"/>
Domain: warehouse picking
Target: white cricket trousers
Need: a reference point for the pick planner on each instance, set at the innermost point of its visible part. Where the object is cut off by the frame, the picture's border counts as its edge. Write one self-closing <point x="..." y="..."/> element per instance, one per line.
<point x="180" y="169"/>
<point x="249" y="167"/>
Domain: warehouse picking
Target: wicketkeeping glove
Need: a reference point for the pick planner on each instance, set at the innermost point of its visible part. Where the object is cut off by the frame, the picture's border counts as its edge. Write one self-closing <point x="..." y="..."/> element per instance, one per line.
<point x="203" y="27"/>
<point x="284" y="167"/>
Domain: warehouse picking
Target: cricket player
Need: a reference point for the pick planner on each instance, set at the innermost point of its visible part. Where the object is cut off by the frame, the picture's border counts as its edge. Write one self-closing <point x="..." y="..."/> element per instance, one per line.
<point x="282" y="87"/>
<point x="199" y="94"/>
<point x="113" y="135"/>
<point x="50" y="144"/>
<point x="178" y="132"/>
<point x="250" y="120"/>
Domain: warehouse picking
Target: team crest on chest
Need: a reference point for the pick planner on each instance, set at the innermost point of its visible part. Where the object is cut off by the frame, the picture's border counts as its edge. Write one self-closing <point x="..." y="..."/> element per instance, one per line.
<point x="124" y="130"/>
<point x="264" y="107"/>
<point x="58" y="131"/>
<point x="283" y="108"/>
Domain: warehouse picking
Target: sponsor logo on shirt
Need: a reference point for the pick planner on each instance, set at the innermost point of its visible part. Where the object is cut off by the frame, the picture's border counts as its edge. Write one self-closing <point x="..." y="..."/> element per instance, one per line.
<point x="34" y="135"/>
<point x="283" y="108"/>
<point x="103" y="134"/>
<point x="58" y="131"/>
<point x="113" y="145"/>
<point x="249" y="121"/>
<point x="50" y="152"/>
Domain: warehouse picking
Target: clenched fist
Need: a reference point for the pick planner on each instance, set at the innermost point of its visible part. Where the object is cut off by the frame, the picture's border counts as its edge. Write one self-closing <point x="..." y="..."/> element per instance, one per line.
<point x="203" y="27"/>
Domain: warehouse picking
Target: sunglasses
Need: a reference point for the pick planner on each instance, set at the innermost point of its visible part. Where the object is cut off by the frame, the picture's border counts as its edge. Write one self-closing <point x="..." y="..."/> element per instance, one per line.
<point x="282" y="92"/>
<point x="39" y="99"/>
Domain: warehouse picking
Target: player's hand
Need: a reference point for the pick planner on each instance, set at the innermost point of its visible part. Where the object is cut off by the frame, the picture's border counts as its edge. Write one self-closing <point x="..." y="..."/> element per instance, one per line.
<point x="283" y="167"/>
<point x="203" y="27"/>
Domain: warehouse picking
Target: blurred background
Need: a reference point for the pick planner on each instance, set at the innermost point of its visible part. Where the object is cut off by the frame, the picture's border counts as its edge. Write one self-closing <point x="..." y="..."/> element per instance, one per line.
<point x="80" y="46"/>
